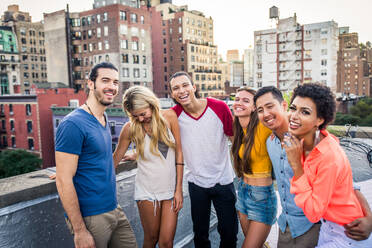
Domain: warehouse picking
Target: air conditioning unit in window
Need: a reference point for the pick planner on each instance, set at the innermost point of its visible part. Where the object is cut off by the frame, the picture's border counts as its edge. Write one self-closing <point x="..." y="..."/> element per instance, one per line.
<point x="73" y="103"/>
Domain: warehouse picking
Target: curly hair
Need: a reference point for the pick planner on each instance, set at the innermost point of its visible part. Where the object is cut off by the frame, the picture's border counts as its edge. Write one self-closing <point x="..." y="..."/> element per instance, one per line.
<point x="323" y="98"/>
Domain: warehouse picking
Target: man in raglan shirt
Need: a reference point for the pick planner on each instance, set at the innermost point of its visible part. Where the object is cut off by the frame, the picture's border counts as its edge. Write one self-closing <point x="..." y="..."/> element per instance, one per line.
<point x="206" y="125"/>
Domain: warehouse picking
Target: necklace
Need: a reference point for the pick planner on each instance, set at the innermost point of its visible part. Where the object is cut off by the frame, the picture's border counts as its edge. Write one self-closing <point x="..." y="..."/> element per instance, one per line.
<point x="103" y="122"/>
<point x="89" y="109"/>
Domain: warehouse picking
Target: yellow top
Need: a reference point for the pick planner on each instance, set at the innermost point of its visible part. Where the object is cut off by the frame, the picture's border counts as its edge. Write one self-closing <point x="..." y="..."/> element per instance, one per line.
<point x="260" y="160"/>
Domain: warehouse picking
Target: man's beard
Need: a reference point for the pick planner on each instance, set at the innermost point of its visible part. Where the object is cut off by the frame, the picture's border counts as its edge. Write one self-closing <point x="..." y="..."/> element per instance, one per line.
<point x="97" y="95"/>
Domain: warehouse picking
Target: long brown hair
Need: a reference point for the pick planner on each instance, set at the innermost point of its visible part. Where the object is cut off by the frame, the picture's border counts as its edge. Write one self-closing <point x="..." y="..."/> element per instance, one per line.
<point x="243" y="165"/>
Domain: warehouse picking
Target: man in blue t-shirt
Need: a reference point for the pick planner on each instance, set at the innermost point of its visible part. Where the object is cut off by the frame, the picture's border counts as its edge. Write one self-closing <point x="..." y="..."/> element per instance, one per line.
<point x="85" y="172"/>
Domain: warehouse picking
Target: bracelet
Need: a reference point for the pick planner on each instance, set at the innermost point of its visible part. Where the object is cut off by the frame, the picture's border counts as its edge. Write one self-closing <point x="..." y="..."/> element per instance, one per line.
<point x="179" y="163"/>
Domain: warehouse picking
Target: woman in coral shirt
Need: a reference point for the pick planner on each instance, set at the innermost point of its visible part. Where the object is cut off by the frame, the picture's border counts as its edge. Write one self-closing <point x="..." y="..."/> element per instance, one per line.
<point x="322" y="181"/>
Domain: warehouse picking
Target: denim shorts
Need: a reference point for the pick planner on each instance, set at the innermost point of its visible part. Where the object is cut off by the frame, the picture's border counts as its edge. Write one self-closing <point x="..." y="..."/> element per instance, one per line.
<point x="259" y="203"/>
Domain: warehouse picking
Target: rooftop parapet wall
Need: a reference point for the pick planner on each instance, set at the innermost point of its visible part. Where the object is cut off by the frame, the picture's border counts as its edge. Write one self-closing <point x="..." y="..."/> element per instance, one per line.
<point x="31" y="213"/>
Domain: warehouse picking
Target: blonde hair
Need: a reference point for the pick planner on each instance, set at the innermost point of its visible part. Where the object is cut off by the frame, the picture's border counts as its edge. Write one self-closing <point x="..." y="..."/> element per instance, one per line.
<point x="139" y="97"/>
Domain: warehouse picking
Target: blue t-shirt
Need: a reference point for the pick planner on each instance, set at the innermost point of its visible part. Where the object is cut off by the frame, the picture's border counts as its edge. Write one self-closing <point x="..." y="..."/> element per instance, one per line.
<point x="81" y="133"/>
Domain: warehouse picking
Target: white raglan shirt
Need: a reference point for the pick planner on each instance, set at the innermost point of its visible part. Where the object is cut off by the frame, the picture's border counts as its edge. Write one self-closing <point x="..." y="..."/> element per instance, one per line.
<point x="205" y="144"/>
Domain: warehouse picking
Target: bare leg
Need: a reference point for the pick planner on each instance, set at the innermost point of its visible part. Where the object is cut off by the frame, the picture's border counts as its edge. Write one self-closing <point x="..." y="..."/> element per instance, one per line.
<point x="256" y="235"/>
<point x="150" y="222"/>
<point x="168" y="224"/>
<point x="244" y="222"/>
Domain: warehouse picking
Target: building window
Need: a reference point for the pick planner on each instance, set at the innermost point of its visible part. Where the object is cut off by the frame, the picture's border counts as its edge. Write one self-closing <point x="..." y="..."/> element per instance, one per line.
<point x="29" y="126"/>
<point x="107" y="46"/>
<point x="98" y="32"/>
<point x="57" y="122"/>
<point x="124" y="58"/>
<point x="13" y="142"/>
<point x="123" y="15"/>
<point x="144" y="59"/>
<point x="324" y="51"/>
<point x="105" y="16"/>
<point x="125" y="72"/>
<point x="144" y="73"/>
<point x="323" y="62"/>
<point x="133" y="18"/>
<point x="11" y="109"/>
<point x="5" y="142"/>
<point x="135" y="45"/>
<point x="98" y="18"/>
<point x="142" y="19"/>
<point x="105" y="31"/>
<point x="100" y="46"/>
<point x="28" y="109"/>
<point x="136" y="73"/>
<point x="30" y="144"/>
<point x="124" y="44"/>
<point x="142" y="46"/>
<point x="3" y="124"/>
<point x="135" y="59"/>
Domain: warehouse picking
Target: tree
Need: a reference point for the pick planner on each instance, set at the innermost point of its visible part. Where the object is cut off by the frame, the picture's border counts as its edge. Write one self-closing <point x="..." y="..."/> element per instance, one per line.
<point x="363" y="108"/>
<point x="342" y="119"/>
<point x="15" y="162"/>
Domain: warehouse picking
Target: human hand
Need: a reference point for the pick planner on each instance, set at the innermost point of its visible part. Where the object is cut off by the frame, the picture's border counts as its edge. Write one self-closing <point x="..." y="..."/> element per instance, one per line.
<point x="294" y="149"/>
<point x="53" y="176"/>
<point x="178" y="200"/>
<point x="359" y="229"/>
<point x="128" y="157"/>
<point x="83" y="239"/>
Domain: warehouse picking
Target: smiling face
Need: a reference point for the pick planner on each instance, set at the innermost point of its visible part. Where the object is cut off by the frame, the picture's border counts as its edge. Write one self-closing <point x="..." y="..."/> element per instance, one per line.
<point x="243" y="104"/>
<point x="271" y="112"/>
<point x="106" y="86"/>
<point x="143" y="115"/>
<point x="182" y="90"/>
<point x="303" y="118"/>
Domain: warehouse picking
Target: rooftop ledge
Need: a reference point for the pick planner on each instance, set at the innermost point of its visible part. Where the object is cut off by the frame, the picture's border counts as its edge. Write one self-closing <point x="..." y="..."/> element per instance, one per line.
<point x="33" y="185"/>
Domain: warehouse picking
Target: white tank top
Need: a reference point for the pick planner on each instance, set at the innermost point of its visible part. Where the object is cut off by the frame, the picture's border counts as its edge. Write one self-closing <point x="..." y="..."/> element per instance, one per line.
<point x="156" y="175"/>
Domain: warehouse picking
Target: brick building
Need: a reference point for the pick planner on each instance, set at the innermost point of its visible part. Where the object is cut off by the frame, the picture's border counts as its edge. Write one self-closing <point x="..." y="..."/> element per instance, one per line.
<point x="354" y="65"/>
<point x="26" y="120"/>
<point x="30" y="41"/>
<point x="183" y="41"/>
<point x="116" y="33"/>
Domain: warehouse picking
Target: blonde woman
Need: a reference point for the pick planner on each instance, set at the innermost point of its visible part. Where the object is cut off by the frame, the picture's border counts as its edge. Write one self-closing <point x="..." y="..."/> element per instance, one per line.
<point x="158" y="186"/>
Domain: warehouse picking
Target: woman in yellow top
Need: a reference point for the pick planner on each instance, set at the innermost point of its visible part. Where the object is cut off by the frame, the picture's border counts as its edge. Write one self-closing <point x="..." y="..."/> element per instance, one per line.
<point x="256" y="201"/>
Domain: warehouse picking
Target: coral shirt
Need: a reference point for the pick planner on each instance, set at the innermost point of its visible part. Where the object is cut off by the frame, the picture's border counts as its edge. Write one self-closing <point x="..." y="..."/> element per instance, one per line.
<point x="325" y="190"/>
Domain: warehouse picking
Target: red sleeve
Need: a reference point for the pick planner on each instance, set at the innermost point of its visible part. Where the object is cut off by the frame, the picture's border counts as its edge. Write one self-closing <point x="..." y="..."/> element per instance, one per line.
<point x="178" y="109"/>
<point x="223" y="112"/>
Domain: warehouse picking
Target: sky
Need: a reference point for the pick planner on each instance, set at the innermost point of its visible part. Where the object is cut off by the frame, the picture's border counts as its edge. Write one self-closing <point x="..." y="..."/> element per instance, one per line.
<point x="236" y="20"/>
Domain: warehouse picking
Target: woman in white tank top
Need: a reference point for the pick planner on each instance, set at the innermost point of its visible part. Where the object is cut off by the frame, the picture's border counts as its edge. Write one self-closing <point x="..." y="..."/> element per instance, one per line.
<point x="158" y="186"/>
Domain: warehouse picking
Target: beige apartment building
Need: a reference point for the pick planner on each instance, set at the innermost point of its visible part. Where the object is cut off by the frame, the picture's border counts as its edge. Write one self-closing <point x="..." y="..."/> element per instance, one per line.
<point x="30" y="41"/>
